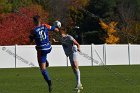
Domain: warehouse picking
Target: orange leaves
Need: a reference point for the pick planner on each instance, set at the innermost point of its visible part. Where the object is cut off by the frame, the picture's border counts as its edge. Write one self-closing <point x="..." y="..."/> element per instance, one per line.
<point x="112" y="39"/>
<point x="110" y="28"/>
<point x="103" y="25"/>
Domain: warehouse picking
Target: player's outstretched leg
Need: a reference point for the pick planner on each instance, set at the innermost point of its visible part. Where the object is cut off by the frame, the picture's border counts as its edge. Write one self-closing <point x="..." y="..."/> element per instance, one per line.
<point x="50" y="85"/>
<point x="46" y="77"/>
<point x="78" y="86"/>
<point x="75" y="68"/>
<point x="77" y="74"/>
<point x="43" y="63"/>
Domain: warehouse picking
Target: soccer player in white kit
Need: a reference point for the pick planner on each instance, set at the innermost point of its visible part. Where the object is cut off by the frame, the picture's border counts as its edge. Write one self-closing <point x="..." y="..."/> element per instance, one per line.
<point x="71" y="47"/>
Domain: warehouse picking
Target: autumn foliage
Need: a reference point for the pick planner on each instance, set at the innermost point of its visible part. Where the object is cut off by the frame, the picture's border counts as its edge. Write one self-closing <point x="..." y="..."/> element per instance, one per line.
<point x="15" y="27"/>
<point x="110" y="28"/>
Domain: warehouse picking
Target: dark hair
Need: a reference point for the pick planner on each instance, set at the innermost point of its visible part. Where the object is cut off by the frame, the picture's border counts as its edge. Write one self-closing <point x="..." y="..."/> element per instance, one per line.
<point x="63" y="30"/>
<point x="36" y="19"/>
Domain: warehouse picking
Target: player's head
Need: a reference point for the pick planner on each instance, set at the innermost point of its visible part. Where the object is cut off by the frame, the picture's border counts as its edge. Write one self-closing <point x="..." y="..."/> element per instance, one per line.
<point x="36" y="19"/>
<point x="63" y="30"/>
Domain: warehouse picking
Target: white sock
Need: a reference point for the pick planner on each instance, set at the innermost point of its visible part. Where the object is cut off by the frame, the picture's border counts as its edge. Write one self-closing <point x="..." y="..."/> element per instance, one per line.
<point x="78" y="76"/>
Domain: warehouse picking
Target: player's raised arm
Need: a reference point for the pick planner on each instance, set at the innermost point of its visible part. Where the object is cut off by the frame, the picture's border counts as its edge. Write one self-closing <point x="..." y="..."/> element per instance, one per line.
<point x="51" y="28"/>
<point x="56" y="27"/>
<point x="77" y="44"/>
<point x="54" y="40"/>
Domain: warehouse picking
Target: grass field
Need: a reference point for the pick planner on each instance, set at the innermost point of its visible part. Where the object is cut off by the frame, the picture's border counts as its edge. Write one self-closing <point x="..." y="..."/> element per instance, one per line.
<point x="94" y="79"/>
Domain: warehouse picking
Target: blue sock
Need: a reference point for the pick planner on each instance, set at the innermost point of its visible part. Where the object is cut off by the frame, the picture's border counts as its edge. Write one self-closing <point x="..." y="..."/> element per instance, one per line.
<point x="46" y="75"/>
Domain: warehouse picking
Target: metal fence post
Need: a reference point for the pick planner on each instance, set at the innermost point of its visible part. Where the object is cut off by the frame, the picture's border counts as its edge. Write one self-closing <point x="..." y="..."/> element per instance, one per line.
<point x="129" y="54"/>
<point x="15" y="56"/>
<point x="67" y="61"/>
<point x="92" y="54"/>
<point x="104" y="53"/>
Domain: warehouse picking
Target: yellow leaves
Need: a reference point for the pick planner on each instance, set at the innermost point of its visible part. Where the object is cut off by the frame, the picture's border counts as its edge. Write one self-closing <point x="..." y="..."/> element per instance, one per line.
<point x="113" y="24"/>
<point x="137" y="26"/>
<point x="84" y="2"/>
<point x="103" y="25"/>
<point x="112" y="39"/>
<point x="5" y="7"/>
<point x="2" y="1"/>
<point x="110" y="28"/>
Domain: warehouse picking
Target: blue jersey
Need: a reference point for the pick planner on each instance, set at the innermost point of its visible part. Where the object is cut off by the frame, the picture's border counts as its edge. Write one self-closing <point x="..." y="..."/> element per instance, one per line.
<point x="41" y="36"/>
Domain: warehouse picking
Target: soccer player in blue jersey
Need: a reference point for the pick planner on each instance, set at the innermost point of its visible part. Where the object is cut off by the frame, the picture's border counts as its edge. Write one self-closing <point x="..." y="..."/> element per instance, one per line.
<point x="43" y="46"/>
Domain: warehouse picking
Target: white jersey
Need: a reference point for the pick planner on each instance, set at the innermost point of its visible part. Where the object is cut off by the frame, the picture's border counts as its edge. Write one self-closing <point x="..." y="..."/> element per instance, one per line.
<point x="68" y="45"/>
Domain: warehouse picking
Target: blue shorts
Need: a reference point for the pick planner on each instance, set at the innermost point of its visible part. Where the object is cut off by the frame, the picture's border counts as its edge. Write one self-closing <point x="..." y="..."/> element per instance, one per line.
<point x="42" y="55"/>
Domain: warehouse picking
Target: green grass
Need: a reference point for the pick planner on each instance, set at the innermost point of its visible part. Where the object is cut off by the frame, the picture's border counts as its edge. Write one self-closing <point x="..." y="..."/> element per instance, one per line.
<point x="94" y="79"/>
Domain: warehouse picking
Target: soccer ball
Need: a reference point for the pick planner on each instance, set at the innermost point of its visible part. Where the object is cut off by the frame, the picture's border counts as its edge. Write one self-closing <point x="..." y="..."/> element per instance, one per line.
<point x="57" y="24"/>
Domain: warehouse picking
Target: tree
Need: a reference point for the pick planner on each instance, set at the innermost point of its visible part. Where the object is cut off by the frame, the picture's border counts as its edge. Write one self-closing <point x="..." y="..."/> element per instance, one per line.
<point x="111" y="37"/>
<point x="86" y="18"/>
<point x="16" y="27"/>
<point x="67" y="11"/>
<point x="5" y="7"/>
<point x="127" y="10"/>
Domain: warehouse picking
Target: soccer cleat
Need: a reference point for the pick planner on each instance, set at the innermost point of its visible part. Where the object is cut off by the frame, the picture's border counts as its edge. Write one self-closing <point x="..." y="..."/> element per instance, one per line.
<point x="50" y="89"/>
<point x="50" y="86"/>
<point x="78" y="91"/>
<point x="79" y="87"/>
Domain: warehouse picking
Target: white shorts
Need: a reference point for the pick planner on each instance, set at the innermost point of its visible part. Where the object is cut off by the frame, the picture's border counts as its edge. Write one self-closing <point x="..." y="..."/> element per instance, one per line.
<point x="73" y="57"/>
